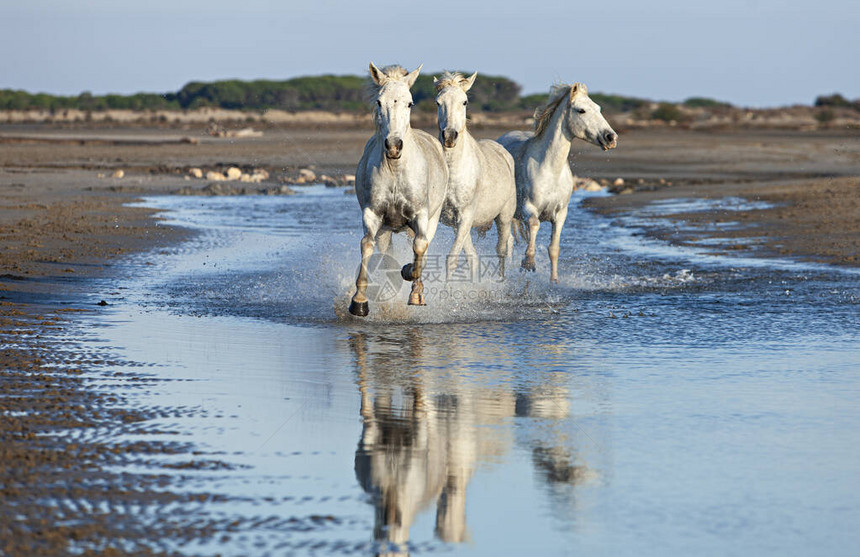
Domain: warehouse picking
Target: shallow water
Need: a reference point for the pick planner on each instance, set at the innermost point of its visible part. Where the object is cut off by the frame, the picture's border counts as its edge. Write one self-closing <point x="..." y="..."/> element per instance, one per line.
<point x="659" y="401"/>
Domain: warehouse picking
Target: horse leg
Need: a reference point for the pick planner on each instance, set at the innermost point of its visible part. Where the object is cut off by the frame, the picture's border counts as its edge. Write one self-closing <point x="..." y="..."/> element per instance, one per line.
<point x="383" y="242"/>
<point x="463" y="234"/>
<point x="533" y="225"/>
<point x="554" y="246"/>
<point x="412" y="271"/>
<point x="472" y="255"/>
<point x="425" y="230"/>
<point x="505" y="242"/>
<point x="359" y="306"/>
<point x="358" y="343"/>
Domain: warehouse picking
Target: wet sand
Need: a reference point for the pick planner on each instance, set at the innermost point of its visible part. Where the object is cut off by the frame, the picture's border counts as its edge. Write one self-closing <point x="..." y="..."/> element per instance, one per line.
<point x="65" y="231"/>
<point x="810" y="180"/>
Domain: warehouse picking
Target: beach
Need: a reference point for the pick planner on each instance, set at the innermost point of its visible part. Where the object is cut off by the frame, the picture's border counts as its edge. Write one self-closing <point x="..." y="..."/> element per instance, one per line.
<point x="58" y="188"/>
<point x="70" y="231"/>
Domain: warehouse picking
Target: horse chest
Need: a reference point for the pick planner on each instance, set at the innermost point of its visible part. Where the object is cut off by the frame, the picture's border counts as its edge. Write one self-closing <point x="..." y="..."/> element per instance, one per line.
<point x="461" y="189"/>
<point x="464" y="174"/>
<point x="550" y="190"/>
<point x="396" y="201"/>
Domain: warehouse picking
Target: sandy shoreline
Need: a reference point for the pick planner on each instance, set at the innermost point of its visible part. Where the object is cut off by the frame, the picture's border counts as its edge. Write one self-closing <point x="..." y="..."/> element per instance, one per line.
<point x="810" y="181"/>
<point x="816" y="220"/>
<point x="62" y="227"/>
<point x="59" y="239"/>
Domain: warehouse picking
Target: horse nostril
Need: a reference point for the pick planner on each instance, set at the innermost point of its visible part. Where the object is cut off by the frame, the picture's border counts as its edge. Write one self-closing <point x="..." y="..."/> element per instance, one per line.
<point x="611" y="137"/>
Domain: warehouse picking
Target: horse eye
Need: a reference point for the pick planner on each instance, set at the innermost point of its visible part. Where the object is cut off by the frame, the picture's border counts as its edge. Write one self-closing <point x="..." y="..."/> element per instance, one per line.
<point x="378" y="103"/>
<point x="465" y="103"/>
<point x="411" y="104"/>
<point x="581" y="110"/>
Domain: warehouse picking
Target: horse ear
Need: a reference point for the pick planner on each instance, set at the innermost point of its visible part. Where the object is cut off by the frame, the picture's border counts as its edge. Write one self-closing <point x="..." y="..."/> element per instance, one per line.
<point x="467" y="83"/>
<point x="578" y="89"/>
<point x="413" y="75"/>
<point x="376" y="74"/>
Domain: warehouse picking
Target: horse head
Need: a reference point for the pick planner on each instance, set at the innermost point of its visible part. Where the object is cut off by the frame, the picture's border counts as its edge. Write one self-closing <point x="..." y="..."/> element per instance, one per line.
<point x="393" y="105"/>
<point x="451" y="102"/>
<point x="584" y="120"/>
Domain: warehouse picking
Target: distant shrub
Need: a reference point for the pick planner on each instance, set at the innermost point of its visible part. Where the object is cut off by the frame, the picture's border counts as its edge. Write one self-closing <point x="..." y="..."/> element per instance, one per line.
<point x="704" y="102"/>
<point x="490" y="93"/>
<point x="825" y="115"/>
<point x="495" y="93"/>
<point x="325" y="92"/>
<point x="667" y="112"/>
<point x="618" y="103"/>
<point x="531" y="102"/>
<point x="835" y="100"/>
<point x="86" y="101"/>
<point x="613" y="104"/>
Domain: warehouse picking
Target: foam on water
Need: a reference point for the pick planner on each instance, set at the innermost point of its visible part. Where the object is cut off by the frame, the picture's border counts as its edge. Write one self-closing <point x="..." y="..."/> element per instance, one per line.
<point x="295" y="259"/>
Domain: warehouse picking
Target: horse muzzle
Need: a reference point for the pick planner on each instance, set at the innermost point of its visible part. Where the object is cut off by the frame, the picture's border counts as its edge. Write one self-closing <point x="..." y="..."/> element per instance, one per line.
<point x="609" y="140"/>
<point x="449" y="138"/>
<point x="393" y="148"/>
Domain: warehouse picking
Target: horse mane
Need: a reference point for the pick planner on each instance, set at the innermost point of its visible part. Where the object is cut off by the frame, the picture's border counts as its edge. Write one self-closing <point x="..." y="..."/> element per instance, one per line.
<point x="543" y="114"/>
<point x="449" y="79"/>
<point x="394" y="71"/>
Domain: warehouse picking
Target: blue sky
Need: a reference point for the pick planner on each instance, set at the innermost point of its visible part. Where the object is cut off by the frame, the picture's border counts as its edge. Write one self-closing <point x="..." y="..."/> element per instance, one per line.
<point x="748" y="52"/>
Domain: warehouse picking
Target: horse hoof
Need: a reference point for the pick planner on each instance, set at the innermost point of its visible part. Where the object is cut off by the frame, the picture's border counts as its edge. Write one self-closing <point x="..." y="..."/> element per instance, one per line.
<point x="406" y="272"/>
<point x="416" y="299"/>
<point x="359" y="309"/>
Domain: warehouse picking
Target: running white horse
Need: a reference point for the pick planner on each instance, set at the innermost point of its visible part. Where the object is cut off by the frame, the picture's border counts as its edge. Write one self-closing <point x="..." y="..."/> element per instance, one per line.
<point x="400" y="181"/>
<point x="544" y="178"/>
<point x="481" y="186"/>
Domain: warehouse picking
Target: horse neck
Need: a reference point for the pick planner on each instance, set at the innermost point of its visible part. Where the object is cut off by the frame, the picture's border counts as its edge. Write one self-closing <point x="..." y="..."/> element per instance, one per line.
<point x="554" y="142"/>
<point x="465" y="150"/>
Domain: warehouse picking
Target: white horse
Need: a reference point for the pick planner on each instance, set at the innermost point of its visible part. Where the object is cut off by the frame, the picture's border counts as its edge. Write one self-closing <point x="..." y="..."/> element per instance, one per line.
<point x="400" y="181"/>
<point x="481" y="186"/>
<point x="544" y="178"/>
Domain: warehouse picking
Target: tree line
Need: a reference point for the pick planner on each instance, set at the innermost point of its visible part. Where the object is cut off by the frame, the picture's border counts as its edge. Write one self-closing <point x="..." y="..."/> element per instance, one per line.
<point x="327" y="92"/>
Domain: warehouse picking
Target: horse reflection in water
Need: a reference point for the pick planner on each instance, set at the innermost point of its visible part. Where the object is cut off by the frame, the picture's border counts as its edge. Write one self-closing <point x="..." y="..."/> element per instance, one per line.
<point x="425" y="432"/>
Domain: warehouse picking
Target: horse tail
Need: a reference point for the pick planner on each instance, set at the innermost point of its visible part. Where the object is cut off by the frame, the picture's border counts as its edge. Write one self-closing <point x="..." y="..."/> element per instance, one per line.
<point x="482" y="230"/>
<point x="518" y="230"/>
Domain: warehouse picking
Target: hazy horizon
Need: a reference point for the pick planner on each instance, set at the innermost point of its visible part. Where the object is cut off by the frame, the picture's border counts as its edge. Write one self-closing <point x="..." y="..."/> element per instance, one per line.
<point x="746" y="52"/>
